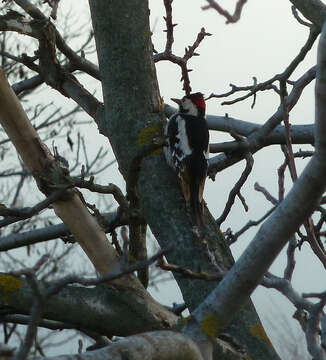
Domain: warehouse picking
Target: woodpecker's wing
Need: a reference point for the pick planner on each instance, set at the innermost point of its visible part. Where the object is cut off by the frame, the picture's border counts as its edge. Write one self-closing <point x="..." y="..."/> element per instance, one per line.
<point x="170" y="130"/>
<point x="197" y="134"/>
<point x="178" y="140"/>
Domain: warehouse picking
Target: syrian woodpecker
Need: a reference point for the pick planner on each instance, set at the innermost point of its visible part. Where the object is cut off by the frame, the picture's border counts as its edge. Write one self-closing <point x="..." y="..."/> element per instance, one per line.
<point x="187" y="151"/>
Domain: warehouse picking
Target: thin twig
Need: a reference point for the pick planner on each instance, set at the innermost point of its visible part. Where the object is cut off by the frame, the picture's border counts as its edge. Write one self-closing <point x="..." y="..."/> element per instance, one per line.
<point x="54" y="5"/>
<point x="101" y="189"/>
<point x="236" y="189"/>
<point x="229" y="18"/>
<point x="187" y="273"/>
<point x="281" y="177"/>
<point x="288" y="271"/>
<point x="266" y="193"/>
<point x="298" y="18"/>
<point x="14" y="215"/>
<point x="58" y="285"/>
<point x="169" y="26"/>
<point x="256" y="139"/>
<point x="232" y="238"/>
<point x="268" y="84"/>
<point x="167" y="54"/>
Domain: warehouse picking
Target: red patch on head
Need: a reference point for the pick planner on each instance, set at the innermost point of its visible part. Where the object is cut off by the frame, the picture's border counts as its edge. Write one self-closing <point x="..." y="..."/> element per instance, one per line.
<point x="198" y="100"/>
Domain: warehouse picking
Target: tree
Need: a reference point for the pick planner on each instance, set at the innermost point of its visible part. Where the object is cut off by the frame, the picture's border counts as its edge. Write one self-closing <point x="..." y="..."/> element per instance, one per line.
<point x="131" y="117"/>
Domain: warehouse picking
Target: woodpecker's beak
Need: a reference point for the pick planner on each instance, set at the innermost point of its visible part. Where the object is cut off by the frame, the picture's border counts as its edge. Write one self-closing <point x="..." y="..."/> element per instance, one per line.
<point x="178" y="101"/>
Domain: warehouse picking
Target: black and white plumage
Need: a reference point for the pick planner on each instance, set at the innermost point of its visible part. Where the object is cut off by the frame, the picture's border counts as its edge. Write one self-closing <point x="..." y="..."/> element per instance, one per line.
<point x="188" y="150"/>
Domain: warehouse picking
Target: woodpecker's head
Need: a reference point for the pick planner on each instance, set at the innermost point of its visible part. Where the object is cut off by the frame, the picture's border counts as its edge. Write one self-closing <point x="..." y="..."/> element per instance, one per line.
<point x="193" y="104"/>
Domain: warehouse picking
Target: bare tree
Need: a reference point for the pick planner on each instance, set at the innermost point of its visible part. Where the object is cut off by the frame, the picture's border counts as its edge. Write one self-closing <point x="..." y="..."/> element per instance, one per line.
<point x="223" y="321"/>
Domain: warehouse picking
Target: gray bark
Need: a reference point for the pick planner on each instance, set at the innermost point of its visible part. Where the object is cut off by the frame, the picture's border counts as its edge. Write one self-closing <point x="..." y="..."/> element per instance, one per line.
<point x="101" y="307"/>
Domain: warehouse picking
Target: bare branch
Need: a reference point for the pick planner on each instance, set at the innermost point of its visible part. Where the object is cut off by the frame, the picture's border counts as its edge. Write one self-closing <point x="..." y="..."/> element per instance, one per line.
<point x="236" y="189"/>
<point x="169" y="26"/>
<point x="78" y="62"/>
<point x="163" y="345"/>
<point x="58" y="285"/>
<point x="266" y="193"/>
<point x="27" y="84"/>
<point x="101" y="189"/>
<point x="189" y="52"/>
<point x="187" y="273"/>
<point x="256" y="139"/>
<point x="51" y="72"/>
<point x="288" y="271"/>
<point x="313" y="330"/>
<point x="313" y="10"/>
<point x="14" y="21"/>
<point x="54" y="5"/>
<point x="298" y="18"/>
<point x="232" y="238"/>
<point x="229" y="18"/>
<point x="316" y="246"/>
<point x="282" y="77"/>
<point x="13" y="241"/>
<point x="14" y="214"/>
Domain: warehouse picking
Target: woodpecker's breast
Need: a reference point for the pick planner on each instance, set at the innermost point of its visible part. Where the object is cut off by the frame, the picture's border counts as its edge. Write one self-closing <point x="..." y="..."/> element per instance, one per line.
<point x="187" y="135"/>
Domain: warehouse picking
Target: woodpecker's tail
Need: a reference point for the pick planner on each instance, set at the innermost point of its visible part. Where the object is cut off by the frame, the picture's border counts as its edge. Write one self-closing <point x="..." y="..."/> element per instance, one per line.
<point x="196" y="207"/>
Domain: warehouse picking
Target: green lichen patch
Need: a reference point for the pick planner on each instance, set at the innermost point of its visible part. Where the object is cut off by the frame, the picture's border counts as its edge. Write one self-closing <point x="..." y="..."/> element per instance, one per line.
<point x="258" y="331"/>
<point x="147" y="135"/>
<point x="211" y="326"/>
<point x="9" y="284"/>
